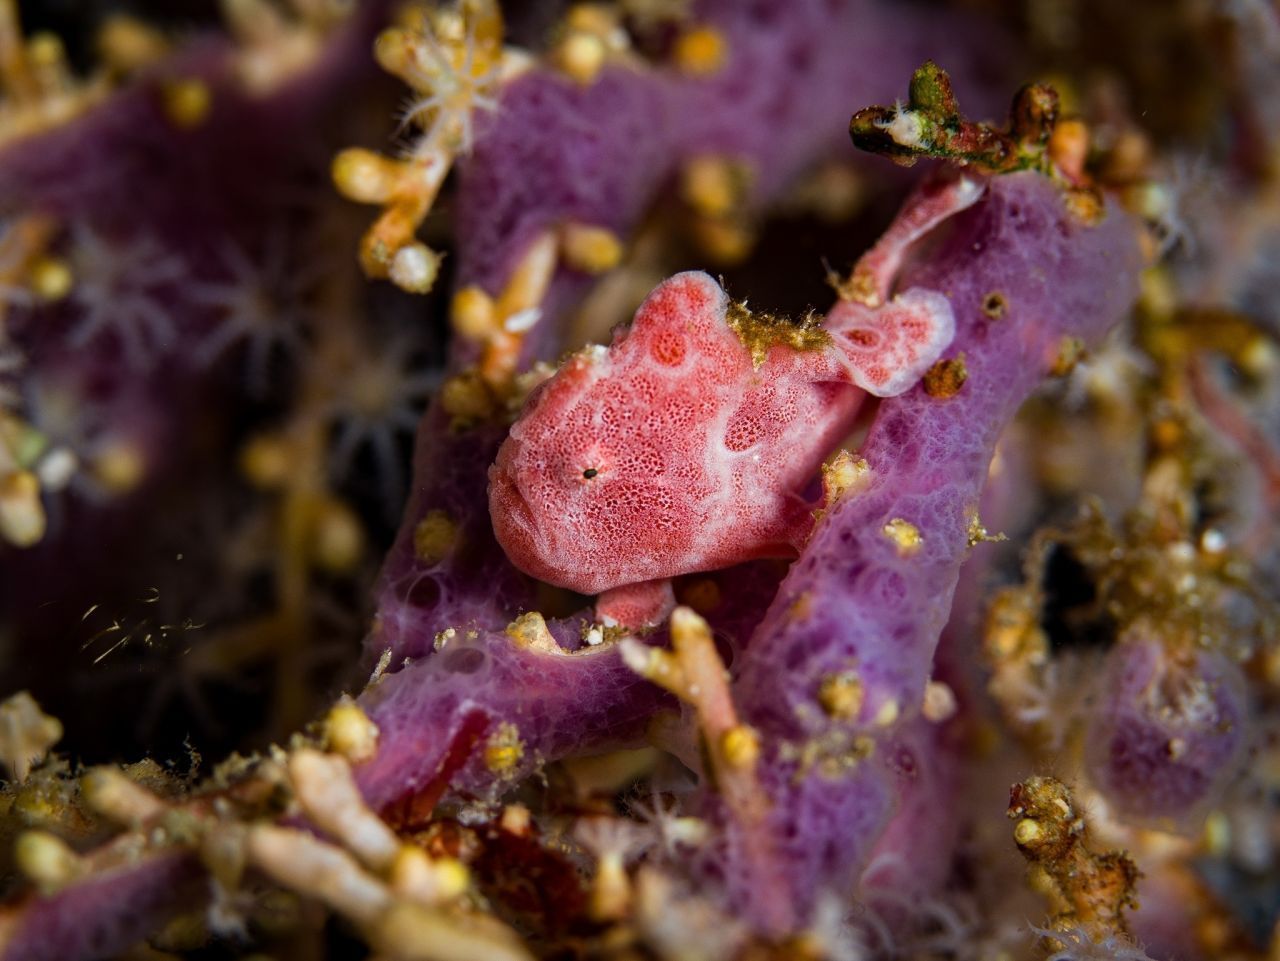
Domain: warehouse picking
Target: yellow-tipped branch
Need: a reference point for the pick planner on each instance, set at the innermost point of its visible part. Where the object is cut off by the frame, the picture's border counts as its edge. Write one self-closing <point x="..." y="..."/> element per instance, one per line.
<point x="1083" y="887"/>
<point x="37" y="88"/>
<point x="693" y="671"/>
<point x="454" y="62"/>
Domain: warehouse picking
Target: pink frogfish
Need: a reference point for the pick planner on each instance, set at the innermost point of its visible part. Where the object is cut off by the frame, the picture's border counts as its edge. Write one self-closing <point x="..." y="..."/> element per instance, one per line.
<point x="687" y="443"/>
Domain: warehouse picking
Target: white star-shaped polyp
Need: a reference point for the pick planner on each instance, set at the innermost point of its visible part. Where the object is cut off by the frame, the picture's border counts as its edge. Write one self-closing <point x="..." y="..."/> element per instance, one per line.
<point x="119" y="287"/>
<point x="455" y="91"/>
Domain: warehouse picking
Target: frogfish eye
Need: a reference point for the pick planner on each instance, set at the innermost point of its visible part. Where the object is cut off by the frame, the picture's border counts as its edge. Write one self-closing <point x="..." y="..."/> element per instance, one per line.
<point x="589" y="473"/>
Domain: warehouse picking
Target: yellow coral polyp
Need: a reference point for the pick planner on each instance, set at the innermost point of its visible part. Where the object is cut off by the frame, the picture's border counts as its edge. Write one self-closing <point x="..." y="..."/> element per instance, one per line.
<point x="337" y="537"/>
<point x="22" y="516"/>
<point x="530" y="630"/>
<point x="473" y="313"/>
<point x="414" y="268"/>
<point x="126" y="44"/>
<point x="51" y="278"/>
<point x="1013" y="629"/>
<point x="453" y="876"/>
<point x="466" y="398"/>
<point x="580" y="56"/>
<point x="977" y="534"/>
<point x="367" y="177"/>
<point x="120" y="467"/>
<point x="186" y="102"/>
<point x="590" y="249"/>
<point x="700" y="51"/>
<point x="726" y="242"/>
<point x="47" y="55"/>
<point x="394" y="50"/>
<point x="1069" y="147"/>
<point x="426" y="880"/>
<point x="591" y="35"/>
<point x="113" y="794"/>
<point x="504" y="750"/>
<point x="611" y="891"/>
<point x="1027" y="831"/>
<point x="939" y="702"/>
<point x="47" y="860"/>
<point x="740" y="746"/>
<point x="841" y="695"/>
<point x="714" y="186"/>
<point x="451" y="65"/>
<point x="600" y="20"/>
<point x="26" y="734"/>
<point x="887" y="714"/>
<point x="267" y="461"/>
<point x="434" y="537"/>
<point x="843" y="474"/>
<point x="349" y="731"/>
<point x="945" y="378"/>
<point x="1070" y="350"/>
<point x="905" y="536"/>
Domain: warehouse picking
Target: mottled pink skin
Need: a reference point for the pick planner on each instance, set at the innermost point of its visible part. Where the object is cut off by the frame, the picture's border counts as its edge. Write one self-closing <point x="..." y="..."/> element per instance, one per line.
<point x="675" y="450"/>
<point x="699" y="457"/>
<point x="672" y="452"/>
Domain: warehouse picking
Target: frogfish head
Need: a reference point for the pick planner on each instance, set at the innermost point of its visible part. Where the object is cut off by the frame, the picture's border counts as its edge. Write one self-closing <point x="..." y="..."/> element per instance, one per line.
<point x="604" y="476"/>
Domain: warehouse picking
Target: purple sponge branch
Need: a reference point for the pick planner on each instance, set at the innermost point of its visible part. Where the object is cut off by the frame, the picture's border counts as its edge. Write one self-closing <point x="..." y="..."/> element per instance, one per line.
<point x="484" y="713"/>
<point x="493" y="705"/>
<point x="864" y="605"/>
<point x="445" y="547"/>
<point x="1170" y="729"/>
<point x="114" y="907"/>
<point x="899" y="541"/>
